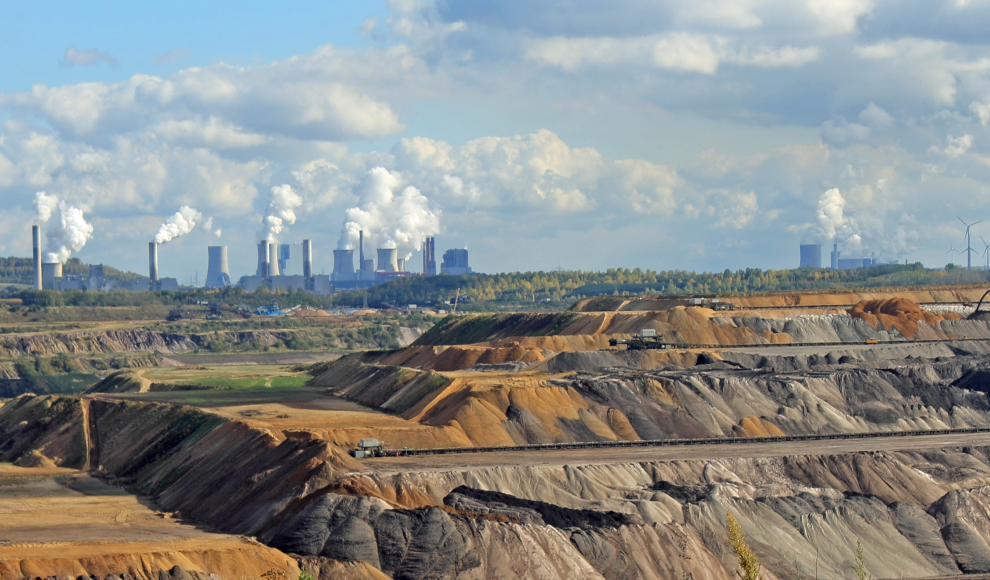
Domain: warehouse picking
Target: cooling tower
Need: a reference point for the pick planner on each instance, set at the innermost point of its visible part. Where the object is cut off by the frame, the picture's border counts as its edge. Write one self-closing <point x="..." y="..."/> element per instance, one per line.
<point x="217" y="274"/>
<point x="273" y="261"/>
<point x="284" y="253"/>
<point x="153" y="262"/>
<point x="388" y="259"/>
<point x="401" y="263"/>
<point x="811" y="255"/>
<point x="308" y="259"/>
<point x="263" y="259"/>
<point x="36" y="237"/>
<point x="343" y="261"/>
<point x="50" y="271"/>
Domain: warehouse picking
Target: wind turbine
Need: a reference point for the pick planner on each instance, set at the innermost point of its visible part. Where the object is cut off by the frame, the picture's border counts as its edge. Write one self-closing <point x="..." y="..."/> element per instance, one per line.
<point x="986" y="251"/>
<point x="951" y="252"/>
<point x="969" y="245"/>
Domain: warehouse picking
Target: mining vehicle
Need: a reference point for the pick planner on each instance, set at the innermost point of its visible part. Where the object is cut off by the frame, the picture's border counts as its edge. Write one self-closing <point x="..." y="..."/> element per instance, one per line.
<point x="648" y="339"/>
<point x="371" y="447"/>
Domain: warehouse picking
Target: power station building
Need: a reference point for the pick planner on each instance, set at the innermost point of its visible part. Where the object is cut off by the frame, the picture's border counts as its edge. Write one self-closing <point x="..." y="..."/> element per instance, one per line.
<point x="811" y="257"/>
<point x="455" y="263"/>
<point x="273" y="259"/>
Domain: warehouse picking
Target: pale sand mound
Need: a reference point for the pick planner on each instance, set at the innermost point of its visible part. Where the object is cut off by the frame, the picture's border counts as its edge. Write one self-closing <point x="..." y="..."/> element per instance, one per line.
<point x="899" y="313"/>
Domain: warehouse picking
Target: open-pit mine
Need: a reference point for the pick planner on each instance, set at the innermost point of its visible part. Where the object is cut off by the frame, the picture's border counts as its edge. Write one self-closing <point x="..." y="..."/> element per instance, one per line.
<point x="525" y="446"/>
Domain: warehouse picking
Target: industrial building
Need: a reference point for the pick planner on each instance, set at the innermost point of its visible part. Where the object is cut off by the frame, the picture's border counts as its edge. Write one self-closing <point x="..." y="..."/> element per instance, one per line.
<point x="272" y="259"/>
<point x="811" y="255"/>
<point x="455" y="263"/>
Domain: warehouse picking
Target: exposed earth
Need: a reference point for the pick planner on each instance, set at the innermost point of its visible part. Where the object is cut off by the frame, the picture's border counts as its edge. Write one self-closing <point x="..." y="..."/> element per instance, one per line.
<point x="154" y="468"/>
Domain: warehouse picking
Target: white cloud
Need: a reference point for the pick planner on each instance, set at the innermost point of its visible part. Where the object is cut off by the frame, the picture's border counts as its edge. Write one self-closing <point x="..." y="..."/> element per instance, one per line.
<point x="212" y="133"/>
<point x="683" y="51"/>
<point x="737" y="210"/>
<point x="838" y="16"/>
<point x="958" y="146"/>
<point x="875" y="116"/>
<point x="767" y="57"/>
<point x="75" y="57"/>
<point x="981" y="110"/>
<point x="732" y="14"/>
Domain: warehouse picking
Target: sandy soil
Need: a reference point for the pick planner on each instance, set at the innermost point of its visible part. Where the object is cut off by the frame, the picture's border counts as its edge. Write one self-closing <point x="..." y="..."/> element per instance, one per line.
<point x="58" y="521"/>
<point x="574" y="457"/>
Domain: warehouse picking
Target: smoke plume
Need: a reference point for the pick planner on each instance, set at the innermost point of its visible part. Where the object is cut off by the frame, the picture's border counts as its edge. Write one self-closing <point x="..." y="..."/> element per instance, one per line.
<point x="400" y="221"/>
<point x="861" y="235"/>
<point x="68" y="235"/>
<point x="181" y="223"/>
<point x="282" y="203"/>
<point x="44" y="205"/>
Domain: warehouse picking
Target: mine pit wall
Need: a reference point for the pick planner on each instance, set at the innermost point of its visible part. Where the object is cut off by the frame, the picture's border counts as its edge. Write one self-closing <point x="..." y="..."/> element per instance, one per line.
<point x="633" y="395"/>
<point x="458" y="343"/>
<point x="917" y="514"/>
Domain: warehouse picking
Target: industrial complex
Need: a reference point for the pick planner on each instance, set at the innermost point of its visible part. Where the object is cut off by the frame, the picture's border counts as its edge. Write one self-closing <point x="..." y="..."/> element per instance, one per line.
<point x="273" y="260"/>
<point x="811" y="257"/>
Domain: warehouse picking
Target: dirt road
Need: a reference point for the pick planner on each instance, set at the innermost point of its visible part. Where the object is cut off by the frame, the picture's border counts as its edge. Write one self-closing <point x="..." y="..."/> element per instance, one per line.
<point x="599" y="456"/>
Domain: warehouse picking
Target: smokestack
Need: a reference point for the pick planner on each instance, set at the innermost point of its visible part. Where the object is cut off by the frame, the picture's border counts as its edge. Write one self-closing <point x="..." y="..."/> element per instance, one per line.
<point x="153" y="264"/>
<point x="36" y="236"/>
<point x="273" y="261"/>
<point x="217" y="274"/>
<point x="388" y="260"/>
<point x="263" y="259"/>
<point x="308" y="259"/>
<point x="835" y="256"/>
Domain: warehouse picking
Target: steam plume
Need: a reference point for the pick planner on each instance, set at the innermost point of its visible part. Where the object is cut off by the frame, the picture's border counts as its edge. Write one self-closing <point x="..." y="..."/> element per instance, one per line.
<point x="282" y="203"/>
<point x="69" y="235"/>
<point x="389" y="221"/>
<point x="44" y="205"/>
<point x="181" y="223"/>
<point x="862" y="234"/>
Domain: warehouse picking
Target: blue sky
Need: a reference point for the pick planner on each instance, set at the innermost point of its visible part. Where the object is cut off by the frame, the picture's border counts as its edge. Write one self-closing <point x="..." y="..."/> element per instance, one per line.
<point x="703" y="135"/>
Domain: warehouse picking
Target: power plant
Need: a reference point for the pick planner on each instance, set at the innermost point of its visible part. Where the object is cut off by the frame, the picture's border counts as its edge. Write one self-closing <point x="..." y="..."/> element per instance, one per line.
<point x="811" y="257"/>
<point x="271" y="272"/>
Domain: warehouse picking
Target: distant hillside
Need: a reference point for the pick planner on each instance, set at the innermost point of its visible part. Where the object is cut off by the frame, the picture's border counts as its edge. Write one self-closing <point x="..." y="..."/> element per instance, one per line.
<point x="20" y="271"/>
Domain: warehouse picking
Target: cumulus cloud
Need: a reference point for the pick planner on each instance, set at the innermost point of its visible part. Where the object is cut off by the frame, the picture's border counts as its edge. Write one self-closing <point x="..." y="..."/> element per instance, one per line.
<point x="838" y="16"/>
<point x="954" y="146"/>
<point x="303" y="98"/>
<point x="75" y="57"/>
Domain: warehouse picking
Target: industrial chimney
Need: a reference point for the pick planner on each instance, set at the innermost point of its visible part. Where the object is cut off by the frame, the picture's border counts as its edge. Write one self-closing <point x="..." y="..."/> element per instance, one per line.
<point x="217" y="274"/>
<point x="388" y="260"/>
<point x="307" y="258"/>
<point x="36" y="236"/>
<point x="263" y="259"/>
<point x="360" y="253"/>
<point x="273" y="260"/>
<point x="153" y="264"/>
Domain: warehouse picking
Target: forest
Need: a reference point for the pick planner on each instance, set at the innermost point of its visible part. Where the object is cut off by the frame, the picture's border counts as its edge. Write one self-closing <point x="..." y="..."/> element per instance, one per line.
<point x="554" y="290"/>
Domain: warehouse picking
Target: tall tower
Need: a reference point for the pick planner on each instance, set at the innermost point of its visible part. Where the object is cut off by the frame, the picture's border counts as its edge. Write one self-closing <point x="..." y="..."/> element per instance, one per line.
<point x="262" y="259"/>
<point x="153" y="265"/>
<point x="307" y="258"/>
<point x="36" y="238"/>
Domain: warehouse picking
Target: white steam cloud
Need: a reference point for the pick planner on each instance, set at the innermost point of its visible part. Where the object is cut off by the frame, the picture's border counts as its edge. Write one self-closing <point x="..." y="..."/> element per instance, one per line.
<point x="44" y="205"/>
<point x="400" y="221"/>
<point x="181" y="223"/>
<point x="68" y="235"/>
<point x="282" y="205"/>
<point x="859" y="236"/>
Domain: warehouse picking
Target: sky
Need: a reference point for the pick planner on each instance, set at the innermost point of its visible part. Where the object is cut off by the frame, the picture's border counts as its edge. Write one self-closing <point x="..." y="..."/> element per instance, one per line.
<point x="697" y="135"/>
